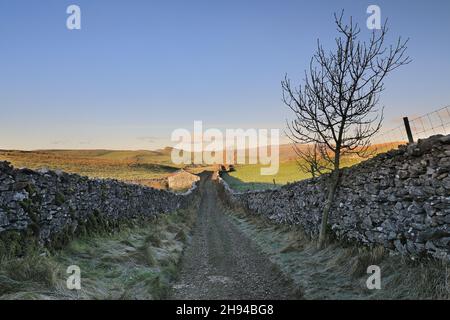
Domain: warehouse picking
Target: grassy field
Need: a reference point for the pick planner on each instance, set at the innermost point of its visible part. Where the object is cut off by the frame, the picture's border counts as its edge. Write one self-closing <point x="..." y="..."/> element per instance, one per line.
<point x="248" y="177"/>
<point x="121" y="165"/>
<point x="145" y="166"/>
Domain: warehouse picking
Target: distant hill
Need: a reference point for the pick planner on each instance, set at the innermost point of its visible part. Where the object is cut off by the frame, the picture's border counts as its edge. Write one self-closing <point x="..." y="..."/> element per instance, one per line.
<point x="122" y="165"/>
<point x="143" y="166"/>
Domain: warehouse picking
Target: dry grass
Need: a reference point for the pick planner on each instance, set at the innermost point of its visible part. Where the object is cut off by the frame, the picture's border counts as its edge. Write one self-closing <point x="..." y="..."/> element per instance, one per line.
<point x="135" y="263"/>
<point x="339" y="271"/>
<point x="121" y="165"/>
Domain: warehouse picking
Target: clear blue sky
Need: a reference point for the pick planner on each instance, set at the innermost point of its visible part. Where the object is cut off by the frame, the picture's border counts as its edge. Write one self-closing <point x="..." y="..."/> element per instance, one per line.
<point x="139" y="69"/>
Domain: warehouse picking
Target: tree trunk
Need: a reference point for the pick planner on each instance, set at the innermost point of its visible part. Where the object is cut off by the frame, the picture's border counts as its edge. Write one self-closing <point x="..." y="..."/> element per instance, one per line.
<point x="334" y="181"/>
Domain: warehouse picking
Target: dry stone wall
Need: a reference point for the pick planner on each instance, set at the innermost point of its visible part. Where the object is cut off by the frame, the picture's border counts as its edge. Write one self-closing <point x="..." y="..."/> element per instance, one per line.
<point x="48" y="204"/>
<point x="399" y="199"/>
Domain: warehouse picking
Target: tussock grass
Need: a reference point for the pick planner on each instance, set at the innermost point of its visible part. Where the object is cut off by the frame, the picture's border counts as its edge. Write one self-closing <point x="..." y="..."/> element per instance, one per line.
<point x="149" y="256"/>
<point x="361" y="257"/>
<point x="32" y="271"/>
<point x="138" y="262"/>
<point x="339" y="271"/>
<point x="154" y="238"/>
<point x="181" y="236"/>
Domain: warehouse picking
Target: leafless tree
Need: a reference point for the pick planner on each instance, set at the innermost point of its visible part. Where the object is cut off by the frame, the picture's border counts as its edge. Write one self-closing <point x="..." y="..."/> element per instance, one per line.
<point x="310" y="159"/>
<point x="336" y="108"/>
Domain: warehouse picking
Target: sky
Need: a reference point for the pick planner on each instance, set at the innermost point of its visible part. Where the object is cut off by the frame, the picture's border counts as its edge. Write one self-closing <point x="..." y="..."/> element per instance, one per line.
<point x="137" y="70"/>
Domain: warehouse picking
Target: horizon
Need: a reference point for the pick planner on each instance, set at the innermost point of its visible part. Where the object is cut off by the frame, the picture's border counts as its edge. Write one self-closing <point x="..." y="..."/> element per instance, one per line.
<point x="163" y="148"/>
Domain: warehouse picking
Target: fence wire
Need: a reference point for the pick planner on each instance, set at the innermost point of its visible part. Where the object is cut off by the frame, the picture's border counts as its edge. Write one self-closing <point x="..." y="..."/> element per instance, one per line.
<point x="432" y="123"/>
<point x="436" y="122"/>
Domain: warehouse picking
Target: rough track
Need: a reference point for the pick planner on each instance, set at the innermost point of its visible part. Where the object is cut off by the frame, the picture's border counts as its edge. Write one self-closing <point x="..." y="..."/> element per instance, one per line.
<point x="222" y="263"/>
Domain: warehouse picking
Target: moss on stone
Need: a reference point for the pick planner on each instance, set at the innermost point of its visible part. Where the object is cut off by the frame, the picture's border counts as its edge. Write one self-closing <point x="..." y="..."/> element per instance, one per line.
<point x="26" y="205"/>
<point x="31" y="190"/>
<point x="59" y="199"/>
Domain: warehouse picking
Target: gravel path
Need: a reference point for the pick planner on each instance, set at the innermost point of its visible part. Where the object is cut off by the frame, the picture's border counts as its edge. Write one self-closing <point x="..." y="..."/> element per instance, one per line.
<point x="222" y="263"/>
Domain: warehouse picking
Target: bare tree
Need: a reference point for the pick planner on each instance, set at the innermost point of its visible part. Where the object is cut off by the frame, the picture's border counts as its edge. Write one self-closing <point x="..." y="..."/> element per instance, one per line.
<point x="336" y="109"/>
<point x="311" y="159"/>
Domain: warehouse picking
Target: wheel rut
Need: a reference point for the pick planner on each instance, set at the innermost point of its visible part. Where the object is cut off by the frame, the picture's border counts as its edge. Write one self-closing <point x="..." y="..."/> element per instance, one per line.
<point x="223" y="263"/>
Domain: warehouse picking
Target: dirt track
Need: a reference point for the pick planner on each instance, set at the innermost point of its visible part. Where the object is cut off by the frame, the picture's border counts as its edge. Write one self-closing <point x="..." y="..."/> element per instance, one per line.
<point x="222" y="263"/>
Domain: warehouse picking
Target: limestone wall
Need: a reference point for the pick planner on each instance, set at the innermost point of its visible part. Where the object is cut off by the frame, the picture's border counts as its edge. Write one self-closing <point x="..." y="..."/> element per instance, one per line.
<point x="47" y="204"/>
<point x="399" y="199"/>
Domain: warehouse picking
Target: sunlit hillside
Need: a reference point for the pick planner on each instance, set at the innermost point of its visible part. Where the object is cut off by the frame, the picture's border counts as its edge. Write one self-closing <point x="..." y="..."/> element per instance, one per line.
<point x="122" y="165"/>
<point x="142" y="166"/>
<point x="248" y="177"/>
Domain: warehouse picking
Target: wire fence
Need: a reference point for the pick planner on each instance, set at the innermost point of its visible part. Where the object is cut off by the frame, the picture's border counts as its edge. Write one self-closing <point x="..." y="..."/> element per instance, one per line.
<point x="432" y="123"/>
<point x="436" y="122"/>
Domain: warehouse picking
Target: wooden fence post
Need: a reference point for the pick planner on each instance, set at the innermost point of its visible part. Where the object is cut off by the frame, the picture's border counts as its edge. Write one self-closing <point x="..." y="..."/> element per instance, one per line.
<point x="408" y="130"/>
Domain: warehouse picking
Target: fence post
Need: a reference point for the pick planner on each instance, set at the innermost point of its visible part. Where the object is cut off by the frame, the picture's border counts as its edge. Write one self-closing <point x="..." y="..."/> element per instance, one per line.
<point x="408" y="130"/>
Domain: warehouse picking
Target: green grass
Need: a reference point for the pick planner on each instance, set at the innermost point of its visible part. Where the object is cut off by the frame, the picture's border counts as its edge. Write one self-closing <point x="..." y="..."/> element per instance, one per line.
<point x="136" y="263"/>
<point x="248" y="177"/>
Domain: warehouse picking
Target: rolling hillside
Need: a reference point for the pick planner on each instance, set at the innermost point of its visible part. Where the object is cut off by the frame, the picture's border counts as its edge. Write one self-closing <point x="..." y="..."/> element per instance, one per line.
<point x="122" y="165"/>
<point x="144" y="166"/>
